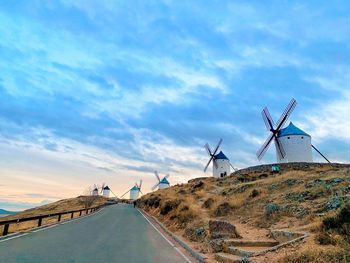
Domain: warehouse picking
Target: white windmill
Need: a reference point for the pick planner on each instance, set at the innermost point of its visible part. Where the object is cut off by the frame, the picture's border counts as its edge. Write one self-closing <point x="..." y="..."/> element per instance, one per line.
<point x="291" y="143"/>
<point x="221" y="164"/>
<point x="162" y="183"/>
<point x="134" y="191"/>
<point x="106" y="191"/>
<point x="95" y="190"/>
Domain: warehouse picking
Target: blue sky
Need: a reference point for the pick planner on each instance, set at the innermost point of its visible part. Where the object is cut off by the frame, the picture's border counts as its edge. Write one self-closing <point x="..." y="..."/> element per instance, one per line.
<point x="109" y="91"/>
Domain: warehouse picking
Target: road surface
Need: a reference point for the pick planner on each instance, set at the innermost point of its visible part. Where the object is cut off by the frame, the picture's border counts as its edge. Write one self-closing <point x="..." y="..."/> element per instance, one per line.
<point x="118" y="233"/>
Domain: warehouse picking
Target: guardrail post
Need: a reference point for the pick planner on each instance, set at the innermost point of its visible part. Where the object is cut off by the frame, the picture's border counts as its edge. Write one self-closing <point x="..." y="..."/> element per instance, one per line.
<point x="59" y="218"/>
<point x="40" y="221"/>
<point x="6" y="229"/>
<point x="80" y="213"/>
<point x="87" y="210"/>
<point x="72" y="215"/>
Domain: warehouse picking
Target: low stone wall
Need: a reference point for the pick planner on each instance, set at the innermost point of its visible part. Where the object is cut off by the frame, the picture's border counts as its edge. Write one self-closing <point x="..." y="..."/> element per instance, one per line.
<point x="267" y="168"/>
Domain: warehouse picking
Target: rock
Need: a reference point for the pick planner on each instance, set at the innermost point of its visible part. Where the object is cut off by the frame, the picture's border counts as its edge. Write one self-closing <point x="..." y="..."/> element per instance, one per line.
<point x="223" y="209"/>
<point x="222" y="229"/>
<point x="208" y="203"/>
<point x="217" y="244"/>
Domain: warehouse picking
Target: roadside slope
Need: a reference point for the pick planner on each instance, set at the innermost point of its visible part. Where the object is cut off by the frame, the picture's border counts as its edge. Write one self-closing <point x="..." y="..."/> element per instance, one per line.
<point x="301" y="198"/>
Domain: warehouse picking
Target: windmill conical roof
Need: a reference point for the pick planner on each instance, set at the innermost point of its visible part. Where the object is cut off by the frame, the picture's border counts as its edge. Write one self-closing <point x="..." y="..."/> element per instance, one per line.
<point x="221" y="155"/>
<point x="106" y="188"/>
<point x="135" y="188"/>
<point x="291" y="129"/>
<point x="164" y="181"/>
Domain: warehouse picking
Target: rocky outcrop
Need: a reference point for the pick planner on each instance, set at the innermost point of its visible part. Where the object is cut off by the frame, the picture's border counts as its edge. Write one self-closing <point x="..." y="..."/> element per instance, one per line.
<point x="222" y="229"/>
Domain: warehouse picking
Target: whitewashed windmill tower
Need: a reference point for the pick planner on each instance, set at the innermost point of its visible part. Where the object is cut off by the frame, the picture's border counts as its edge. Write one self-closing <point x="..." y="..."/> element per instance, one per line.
<point x="134" y="191"/>
<point x="95" y="190"/>
<point x="292" y="144"/>
<point x="162" y="183"/>
<point x="221" y="164"/>
<point x="106" y="191"/>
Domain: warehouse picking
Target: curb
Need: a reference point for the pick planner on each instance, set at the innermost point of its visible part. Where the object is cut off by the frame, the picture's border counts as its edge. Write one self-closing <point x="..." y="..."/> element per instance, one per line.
<point x="194" y="253"/>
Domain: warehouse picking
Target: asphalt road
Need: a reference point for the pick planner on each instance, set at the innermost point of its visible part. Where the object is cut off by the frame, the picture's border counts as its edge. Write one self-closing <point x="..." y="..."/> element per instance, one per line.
<point x="116" y="234"/>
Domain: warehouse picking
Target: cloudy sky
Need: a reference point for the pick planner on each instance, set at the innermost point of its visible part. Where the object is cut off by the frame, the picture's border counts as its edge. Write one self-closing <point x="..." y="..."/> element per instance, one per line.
<point x="109" y="91"/>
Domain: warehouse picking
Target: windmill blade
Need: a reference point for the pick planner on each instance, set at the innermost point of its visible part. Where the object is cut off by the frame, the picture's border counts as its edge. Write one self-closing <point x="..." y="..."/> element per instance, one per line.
<point x="206" y="167"/>
<point x="207" y="147"/>
<point x="113" y="193"/>
<point x="217" y="146"/>
<point x="167" y="176"/>
<point x="140" y="185"/>
<point x="320" y="153"/>
<point x="280" y="149"/>
<point x="267" y="119"/>
<point x="154" y="186"/>
<point x="287" y="112"/>
<point x="260" y="153"/>
<point x="103" y="186"/>
<point x="124" y="194"/>
<point x="157" y="175"/>
<point x="235" y="169"/>
<point x="140" y="191"/>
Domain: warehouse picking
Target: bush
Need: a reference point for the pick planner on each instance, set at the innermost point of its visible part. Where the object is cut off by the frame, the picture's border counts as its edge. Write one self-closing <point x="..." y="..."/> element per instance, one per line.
<point x="339" y="223"/>
<point x="271" y="209"/>
<point x="254" y="193"/>
<point x="169" y="206"/>
<point x="223" y="209"/>
<point x="208" y="203"/>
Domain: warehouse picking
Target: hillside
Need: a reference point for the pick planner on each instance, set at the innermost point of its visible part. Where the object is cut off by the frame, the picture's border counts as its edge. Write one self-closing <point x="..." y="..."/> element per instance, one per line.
<point x="303" y="197"/>
<point x="63" y="205"/>
<point x="56" y="207"/>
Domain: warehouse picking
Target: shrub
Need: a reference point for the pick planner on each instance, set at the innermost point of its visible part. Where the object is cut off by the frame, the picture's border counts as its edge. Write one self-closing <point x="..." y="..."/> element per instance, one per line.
<point x="339" y="223"/>
<point x="223" y="209"/>
<point x="169" y="206"/>
<point x="208" y="203"/>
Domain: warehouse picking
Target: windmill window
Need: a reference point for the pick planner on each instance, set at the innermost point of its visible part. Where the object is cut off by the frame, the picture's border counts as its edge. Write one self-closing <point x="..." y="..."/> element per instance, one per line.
<point x="288" y="137"/>
<point x="302" y="137"/>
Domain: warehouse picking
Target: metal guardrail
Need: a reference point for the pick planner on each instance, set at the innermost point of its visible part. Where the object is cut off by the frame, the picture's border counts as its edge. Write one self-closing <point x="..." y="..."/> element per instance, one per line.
<point x="7" y="223"/>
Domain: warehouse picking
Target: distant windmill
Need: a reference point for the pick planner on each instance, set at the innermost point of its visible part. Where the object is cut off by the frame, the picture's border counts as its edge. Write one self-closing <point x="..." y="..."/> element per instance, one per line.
<point x="106" y="191"/>
<point x="134" y="191"/>
<point x="292" y="144"/>
<point x="95" y="190"/>
<point x="162" y="183"/>
<point x="221" y="164"/>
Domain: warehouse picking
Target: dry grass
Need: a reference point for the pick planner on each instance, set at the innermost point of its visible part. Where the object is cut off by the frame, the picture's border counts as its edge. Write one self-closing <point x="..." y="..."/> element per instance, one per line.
<point x="295" y="199"/>
<point x="56" y="207"/>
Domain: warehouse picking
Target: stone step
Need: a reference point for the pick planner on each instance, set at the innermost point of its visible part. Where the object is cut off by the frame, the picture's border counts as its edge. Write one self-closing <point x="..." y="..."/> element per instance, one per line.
<point x="250" y="243"/>
<point x="228" y="258"/>
<point x="239" y="252"/>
